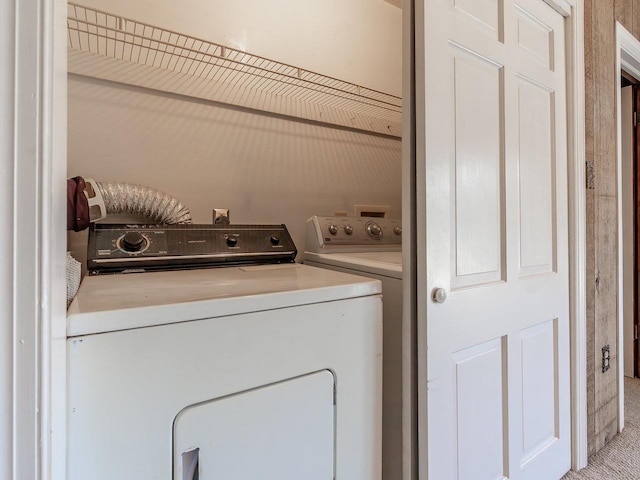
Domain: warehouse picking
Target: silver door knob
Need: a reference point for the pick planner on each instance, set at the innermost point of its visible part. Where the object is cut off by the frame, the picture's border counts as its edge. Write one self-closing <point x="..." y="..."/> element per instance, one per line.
<point x="439" y="295"/>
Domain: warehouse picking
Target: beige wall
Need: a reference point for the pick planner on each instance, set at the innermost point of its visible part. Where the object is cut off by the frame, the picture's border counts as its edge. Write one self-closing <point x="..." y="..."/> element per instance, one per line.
<point x="602" y="274"/>
<point x="264" y="169"/>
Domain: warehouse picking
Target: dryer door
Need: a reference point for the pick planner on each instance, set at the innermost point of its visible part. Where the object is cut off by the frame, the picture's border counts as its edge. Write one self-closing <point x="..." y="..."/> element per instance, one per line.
<point x="276" y="432"/>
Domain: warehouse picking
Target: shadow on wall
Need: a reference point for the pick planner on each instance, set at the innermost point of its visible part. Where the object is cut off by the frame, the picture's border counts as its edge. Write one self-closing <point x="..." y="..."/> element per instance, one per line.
<point x="264" y="169"/>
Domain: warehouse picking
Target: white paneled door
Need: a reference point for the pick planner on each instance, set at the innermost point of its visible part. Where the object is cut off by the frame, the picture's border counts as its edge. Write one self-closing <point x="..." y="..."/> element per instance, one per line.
<point x="492" y="152"/>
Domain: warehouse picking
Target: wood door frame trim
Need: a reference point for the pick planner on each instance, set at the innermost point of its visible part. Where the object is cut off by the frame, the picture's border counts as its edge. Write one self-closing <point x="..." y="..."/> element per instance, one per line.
<point x="635" y="89"/>
<point x="627" y="59"/>
<point x="34" y="135"/>
<point x="409" y="261"/>
<point x="574" y="36"/>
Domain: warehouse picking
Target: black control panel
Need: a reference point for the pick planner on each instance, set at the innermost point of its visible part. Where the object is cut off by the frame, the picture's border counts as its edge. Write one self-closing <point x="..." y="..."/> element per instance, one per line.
<point x="118" y="248"/>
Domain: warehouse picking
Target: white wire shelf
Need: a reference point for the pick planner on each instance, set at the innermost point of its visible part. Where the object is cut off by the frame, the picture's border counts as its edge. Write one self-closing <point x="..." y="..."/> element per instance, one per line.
<point x="114" y="48"/>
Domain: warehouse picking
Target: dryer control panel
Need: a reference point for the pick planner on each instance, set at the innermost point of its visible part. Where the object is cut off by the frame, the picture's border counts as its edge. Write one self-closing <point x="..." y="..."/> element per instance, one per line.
<point x="334" y="234"/>
<point x="118" y="248"/>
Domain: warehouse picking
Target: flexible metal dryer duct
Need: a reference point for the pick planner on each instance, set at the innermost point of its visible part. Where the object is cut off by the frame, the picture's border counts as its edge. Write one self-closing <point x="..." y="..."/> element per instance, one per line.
<point x="155" y="205"/>
<point x="90" y="201"/>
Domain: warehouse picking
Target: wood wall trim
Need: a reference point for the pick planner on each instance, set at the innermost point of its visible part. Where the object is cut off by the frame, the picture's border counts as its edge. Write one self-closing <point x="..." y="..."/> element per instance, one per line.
<point x="7" y="72"/>
<point x="628" y="50"/>
<point x="25" y="295"/>
<point x="577" y="230"/>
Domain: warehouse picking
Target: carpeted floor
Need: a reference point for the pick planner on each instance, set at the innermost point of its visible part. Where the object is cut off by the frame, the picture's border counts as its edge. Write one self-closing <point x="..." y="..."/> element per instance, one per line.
<point x="620" y="459"/>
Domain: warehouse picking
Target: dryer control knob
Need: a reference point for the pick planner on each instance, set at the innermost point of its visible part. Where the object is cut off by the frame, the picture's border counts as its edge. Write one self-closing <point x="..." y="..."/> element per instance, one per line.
<point x="232" y="241"/>
<point x="333" y="229"/>
<point x="274" y="239"/>
<point x="397" y="230"/>
<point x="348" y="229"/>
<point x="133" y="242"/>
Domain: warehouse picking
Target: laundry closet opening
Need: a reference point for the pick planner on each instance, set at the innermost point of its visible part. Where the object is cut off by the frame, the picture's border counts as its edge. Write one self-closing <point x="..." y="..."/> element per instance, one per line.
<point x="275" y="111"/>
<point x="260" y="113"/>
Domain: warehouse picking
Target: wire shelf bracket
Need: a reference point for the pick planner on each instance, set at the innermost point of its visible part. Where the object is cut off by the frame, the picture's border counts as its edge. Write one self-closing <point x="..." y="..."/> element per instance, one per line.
<point x="110" y="47"/>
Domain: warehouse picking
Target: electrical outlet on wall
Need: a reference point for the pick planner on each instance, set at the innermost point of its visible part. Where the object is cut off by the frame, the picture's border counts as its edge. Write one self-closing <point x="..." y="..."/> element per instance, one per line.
<point x="221" y="216"/>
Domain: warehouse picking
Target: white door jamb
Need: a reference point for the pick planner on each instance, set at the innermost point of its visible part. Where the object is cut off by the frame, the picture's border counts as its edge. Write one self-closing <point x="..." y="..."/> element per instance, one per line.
<point x="577" y="227"/>
<point x="627" y="59"/>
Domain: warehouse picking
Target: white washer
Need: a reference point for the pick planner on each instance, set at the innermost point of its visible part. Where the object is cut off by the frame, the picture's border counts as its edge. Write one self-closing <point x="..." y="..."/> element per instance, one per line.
<point x="371" y="247"/>
<point x="238" y="373"/>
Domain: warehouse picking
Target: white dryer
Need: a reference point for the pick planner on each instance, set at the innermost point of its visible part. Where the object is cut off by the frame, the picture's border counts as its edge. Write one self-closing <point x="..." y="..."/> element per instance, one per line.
<point x="371" y="247"/>
<point x="237" y="373"/>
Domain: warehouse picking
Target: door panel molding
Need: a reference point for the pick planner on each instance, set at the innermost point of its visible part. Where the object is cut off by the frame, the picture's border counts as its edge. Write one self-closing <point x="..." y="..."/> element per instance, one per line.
<point x="478" y="181"/>
<point x="566" y="8"/>
<point x="481" y="390"/>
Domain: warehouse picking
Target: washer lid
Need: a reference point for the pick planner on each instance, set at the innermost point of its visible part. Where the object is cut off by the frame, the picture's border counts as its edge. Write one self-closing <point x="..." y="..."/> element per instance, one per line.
<point x="388" y="264"/>
<point x="121" y="302"/>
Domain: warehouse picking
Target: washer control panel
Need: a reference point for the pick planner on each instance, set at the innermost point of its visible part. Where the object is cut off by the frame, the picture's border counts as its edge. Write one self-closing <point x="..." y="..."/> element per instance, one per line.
<point x="326" y="233"/>
<point x="117" y="248"/>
